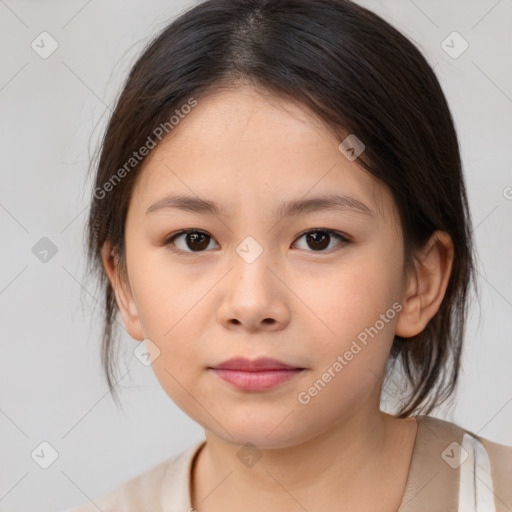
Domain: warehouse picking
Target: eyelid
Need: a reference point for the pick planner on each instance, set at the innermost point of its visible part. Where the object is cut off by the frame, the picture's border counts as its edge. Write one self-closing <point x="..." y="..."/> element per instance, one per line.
<point x="170" y="239"/>
<point x="342" y="237"/>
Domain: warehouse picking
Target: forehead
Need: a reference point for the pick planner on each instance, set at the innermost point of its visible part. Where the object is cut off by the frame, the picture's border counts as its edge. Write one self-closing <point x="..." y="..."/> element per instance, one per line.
<point x="241" y="141"/>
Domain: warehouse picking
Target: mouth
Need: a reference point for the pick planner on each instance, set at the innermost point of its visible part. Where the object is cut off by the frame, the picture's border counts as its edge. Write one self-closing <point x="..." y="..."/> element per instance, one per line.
<point x="255" y="375"/>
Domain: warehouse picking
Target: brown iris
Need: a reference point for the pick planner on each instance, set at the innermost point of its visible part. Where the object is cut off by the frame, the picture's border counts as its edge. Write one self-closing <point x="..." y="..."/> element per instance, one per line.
<point x="198" y="241"/>
<point x="318" y="240"/>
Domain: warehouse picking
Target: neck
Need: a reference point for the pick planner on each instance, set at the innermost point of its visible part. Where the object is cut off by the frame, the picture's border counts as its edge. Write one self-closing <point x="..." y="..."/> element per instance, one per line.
<point x="343" y="463"/>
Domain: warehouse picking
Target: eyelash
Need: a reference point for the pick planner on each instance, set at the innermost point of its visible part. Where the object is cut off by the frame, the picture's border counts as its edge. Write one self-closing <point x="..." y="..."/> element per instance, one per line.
<point x="343" y="239"/>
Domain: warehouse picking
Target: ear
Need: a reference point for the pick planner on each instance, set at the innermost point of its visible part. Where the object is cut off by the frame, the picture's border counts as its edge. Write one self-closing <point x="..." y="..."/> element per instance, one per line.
<point x="426" y="287"/>
<point x="122" y="290"/>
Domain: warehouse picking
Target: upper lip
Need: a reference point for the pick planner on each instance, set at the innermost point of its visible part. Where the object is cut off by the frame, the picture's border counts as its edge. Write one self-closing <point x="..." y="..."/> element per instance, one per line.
<point x="253" y="365"/>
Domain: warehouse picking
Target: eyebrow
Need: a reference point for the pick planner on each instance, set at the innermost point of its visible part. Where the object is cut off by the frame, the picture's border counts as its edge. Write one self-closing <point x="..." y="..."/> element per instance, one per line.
<point x="287" y="209"/>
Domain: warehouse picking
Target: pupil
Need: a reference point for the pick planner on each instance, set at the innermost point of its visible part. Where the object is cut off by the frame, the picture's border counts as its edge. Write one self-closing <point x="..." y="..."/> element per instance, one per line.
<point x="195" y="237"/>
<point x="317" y="240"/>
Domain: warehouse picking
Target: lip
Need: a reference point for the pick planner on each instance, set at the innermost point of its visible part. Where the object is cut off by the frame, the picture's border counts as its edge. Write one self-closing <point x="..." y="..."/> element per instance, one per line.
<point x="254" y="365"/>
<point x="255" y="375"/>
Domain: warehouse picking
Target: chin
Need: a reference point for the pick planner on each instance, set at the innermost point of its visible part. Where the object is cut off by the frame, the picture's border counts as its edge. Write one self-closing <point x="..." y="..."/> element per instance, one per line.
<point x="261" y="436"/>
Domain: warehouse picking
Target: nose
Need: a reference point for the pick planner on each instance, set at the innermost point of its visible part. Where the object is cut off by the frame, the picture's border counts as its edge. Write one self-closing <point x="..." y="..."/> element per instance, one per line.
<point x="253" y="296"/>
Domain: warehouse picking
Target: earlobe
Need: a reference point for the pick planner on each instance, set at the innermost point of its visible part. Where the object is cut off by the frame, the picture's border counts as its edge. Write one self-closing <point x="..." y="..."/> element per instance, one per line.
<point x="124" y="297"/>
<point x="426" y="288"/>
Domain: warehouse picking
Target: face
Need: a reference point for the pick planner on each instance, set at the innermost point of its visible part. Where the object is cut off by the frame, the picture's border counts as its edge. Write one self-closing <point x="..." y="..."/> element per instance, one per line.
<point x="316" y="287"/>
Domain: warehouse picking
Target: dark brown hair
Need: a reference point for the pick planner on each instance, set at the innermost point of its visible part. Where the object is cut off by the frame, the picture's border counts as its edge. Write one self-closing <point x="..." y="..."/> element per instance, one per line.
<point x="359" y="75"/>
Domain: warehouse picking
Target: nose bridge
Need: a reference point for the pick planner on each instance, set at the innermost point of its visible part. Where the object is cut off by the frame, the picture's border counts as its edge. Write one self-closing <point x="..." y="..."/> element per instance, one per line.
<point x="251" y="262"/>
<point x="253" y="296"/>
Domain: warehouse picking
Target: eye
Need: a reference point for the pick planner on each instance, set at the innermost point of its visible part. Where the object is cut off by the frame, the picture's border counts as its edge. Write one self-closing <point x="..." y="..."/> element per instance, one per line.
<point x="196" y="241"/>
<point x="321" y="239"/>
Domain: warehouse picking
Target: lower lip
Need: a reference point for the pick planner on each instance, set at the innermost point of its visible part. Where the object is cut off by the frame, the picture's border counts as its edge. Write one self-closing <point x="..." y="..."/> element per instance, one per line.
<point x="256" y="381"/>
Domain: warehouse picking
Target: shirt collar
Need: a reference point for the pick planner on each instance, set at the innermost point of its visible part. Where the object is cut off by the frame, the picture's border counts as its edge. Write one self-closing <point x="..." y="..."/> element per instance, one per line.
<point x="176" y="483"/>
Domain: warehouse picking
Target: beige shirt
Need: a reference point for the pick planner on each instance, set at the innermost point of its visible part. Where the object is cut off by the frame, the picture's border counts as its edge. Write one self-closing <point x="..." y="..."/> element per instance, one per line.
<point x="452" y="470"/>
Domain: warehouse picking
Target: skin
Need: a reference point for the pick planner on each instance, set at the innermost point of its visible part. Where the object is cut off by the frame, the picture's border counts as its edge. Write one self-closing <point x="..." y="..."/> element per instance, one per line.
<point x="249" y="150"/>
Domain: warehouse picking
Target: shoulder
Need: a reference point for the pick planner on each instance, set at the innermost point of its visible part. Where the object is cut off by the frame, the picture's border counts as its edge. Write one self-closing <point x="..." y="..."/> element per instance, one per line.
<point x="499" y="458"/>
<point x="444" y="430"/>
<point x="144" y="491"/>
<point x="483" y="465"/>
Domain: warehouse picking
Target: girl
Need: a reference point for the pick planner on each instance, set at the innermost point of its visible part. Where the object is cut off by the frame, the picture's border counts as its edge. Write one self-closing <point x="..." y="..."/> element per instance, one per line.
<point x="280" y="217"/>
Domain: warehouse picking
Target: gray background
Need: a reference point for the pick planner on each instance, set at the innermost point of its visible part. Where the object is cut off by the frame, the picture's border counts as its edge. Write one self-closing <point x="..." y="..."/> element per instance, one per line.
<point x="53" y="111"/>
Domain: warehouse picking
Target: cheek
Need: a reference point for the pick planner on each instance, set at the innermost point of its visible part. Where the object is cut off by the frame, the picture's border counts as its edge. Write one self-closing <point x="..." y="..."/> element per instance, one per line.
<point x="167" y="294"/>
<point x="172" y="316"/>
<point x="353" y="296"/>
<point x="356" y="309"/>
<point x="180" y="365"/>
